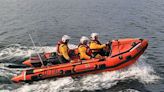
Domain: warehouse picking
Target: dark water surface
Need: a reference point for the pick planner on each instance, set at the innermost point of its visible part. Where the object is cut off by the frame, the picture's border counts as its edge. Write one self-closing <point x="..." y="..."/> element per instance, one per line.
<point x="48" y="20"/>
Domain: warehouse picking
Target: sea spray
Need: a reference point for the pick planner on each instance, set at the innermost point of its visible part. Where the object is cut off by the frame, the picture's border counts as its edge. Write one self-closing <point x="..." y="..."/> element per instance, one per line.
<point x="92" y="82"/>
<point x="140" y="71"/>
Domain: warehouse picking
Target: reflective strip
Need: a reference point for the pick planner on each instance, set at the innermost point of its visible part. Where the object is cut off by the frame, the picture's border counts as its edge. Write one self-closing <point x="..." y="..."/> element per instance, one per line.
<point x="135" y="47"/>
<point x="24" y="75"/>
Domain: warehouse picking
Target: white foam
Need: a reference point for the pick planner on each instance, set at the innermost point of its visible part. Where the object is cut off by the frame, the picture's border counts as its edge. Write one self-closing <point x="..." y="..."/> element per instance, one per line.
<point x="16" y="50"/>
<point x="140" y="71"/>
<point x="129" y="90"/>
<point x="4" y="91"/>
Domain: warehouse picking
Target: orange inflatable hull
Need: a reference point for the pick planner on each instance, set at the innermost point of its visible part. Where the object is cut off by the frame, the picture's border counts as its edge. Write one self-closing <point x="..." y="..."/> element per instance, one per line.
<point x="124" y="52"/>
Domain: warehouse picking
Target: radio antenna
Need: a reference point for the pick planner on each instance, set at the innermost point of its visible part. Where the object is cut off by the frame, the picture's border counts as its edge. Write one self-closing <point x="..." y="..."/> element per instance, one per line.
<point x="35" y="48"/>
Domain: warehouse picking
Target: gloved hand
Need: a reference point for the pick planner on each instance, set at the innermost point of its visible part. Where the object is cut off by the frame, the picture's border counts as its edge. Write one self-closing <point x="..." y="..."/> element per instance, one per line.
<point x="108" y="43"/>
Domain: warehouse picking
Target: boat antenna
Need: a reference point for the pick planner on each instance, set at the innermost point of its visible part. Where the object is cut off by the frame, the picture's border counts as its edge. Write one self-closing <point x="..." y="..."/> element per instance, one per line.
<point x="35" y="48"/>
<point x="43" y="49"/>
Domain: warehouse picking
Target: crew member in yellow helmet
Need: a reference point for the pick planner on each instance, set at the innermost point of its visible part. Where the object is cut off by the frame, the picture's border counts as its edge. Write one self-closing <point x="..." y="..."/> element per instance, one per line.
<point x="83" y="49"/>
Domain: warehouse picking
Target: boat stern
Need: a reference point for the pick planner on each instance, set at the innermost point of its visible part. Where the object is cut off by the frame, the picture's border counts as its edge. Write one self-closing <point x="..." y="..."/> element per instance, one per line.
<point x="27" y="62"/>
<point x="18" y="78"/>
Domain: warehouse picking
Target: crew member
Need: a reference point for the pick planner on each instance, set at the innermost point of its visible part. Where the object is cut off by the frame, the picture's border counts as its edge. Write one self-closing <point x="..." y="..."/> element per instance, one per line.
<point x="96" y="46"/>
<point x="83" y="49"/>
<point x="62" y="49"/>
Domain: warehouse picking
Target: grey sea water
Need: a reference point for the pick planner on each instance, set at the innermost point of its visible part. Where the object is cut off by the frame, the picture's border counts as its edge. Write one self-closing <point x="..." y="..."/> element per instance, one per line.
<point x="48" y="20"/>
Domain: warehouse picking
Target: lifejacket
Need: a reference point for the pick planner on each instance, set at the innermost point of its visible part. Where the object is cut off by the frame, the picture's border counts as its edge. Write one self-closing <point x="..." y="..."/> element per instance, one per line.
<point x="95" y="41"/>
<point x="58" y="45"/>
<point x="88" y="51"/>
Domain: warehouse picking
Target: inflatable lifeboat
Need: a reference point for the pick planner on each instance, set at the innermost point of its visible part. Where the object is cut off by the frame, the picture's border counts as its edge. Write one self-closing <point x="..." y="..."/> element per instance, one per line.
<point x="123" y="53"/>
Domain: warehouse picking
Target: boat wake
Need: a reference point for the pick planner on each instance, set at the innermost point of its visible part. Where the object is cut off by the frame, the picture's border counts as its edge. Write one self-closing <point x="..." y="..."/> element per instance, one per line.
<point x="17" y="51"/>
<point x="140" y="71"/>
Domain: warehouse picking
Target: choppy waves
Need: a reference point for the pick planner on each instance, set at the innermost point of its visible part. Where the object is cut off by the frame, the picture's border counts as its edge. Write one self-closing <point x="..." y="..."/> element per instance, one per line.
<point x="141" y="71"/>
